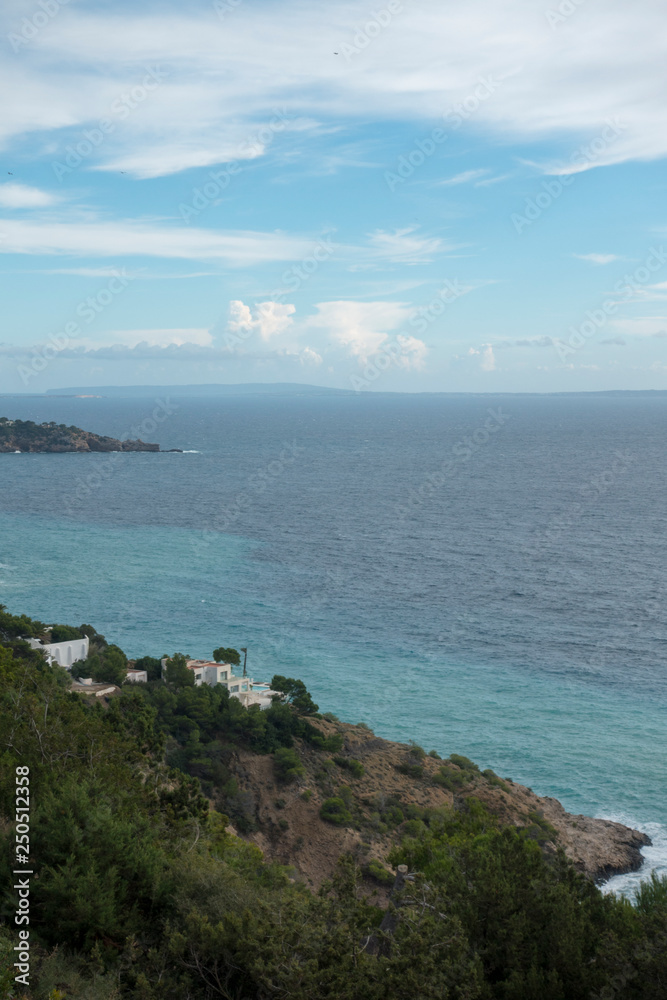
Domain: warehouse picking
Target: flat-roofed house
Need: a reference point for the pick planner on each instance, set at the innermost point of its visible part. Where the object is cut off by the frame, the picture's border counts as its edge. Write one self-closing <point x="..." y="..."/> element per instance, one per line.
<point x="137" y="676"/>
<point x="63" y="653"/>
<point x="243" y="688"/>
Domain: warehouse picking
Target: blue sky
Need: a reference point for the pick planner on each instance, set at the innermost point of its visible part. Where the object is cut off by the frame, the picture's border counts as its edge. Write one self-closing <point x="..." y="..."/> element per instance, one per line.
<point x="407" y="196"/>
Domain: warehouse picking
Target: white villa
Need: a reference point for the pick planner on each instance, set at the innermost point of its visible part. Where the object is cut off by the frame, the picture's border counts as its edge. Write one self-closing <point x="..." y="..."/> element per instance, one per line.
<point x="63" y="653"/>
<point x="137" y="676"/>
<point x="245" y="689"/>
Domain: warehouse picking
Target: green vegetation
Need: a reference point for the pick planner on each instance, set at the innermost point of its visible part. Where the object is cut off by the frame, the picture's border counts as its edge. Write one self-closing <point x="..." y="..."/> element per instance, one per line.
<point x="287" y="765"/>
<point x="329" y="744"/>
<point x="177" y="674"/>
<point x="493" y="779"/>
<point x="457" y="777"/>
<point x="151" y="665"/>
<point x="26" y="435"/>
<point x="355" y="767"/>
<point x="335" y="811"/>
<point x="539" y="829"/>
<point x="227" y="655"/>
<point x="104" y="663"/>
<point x="464" y="763"/>
<point x="377" y="871"/>
<point x="295" y="693"/>
<point x="143" y="894"/>
<point x="416" y="751"/>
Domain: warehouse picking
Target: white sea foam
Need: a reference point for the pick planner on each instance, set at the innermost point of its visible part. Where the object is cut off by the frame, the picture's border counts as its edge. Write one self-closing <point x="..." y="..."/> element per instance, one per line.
<point x="655" y="857"/>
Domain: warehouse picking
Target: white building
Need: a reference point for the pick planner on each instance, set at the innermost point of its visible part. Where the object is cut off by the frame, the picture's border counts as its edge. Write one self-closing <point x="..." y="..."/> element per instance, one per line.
<point x="63" y="653"/>
<point x="243" y="688"/>
<point x="137" y="676"/>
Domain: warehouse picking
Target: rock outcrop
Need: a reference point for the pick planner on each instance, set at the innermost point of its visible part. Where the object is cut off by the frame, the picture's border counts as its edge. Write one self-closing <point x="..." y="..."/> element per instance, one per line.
<point x="25" y="435"/>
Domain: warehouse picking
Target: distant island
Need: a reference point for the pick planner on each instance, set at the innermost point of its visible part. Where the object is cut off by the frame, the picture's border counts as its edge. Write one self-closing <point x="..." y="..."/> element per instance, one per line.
<point x="27" y="436"/>
<point x="196" y="390"/>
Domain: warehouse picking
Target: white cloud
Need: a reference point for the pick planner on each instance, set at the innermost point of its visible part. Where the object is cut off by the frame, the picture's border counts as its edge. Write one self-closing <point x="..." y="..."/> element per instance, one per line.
<point x="311" y="357"/>
<point x="151" y="337"/>
<point x="21" y="196"/>
<point x="598" y="258"/>
<point x="404" y="247"/>
<point x="493" y="180"/>
<point x="363" y="330"/>
<point x="488" y="362"/>
<point x="360" y="327"/>
<point x="224" y="78"/>
<point x="136" y="237"/>
<point x="463" y="178"/>
<point x="270" y="319"/>
<point x="413" y="353"/>
<point x="644" y="326"/>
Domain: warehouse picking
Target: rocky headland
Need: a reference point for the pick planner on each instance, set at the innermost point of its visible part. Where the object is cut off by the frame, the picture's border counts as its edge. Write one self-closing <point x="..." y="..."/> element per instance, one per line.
<point x="384" y="792"/>
<point x="27" y="436"/>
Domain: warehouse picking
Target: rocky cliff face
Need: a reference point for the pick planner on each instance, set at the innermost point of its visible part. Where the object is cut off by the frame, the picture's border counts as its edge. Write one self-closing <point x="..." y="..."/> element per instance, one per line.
<point x="379" y="801"/>
<point x="24" y="435"/>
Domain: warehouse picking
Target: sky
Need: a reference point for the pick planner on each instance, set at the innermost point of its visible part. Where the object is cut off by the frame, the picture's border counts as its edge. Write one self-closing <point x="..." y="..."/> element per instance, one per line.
<point x="415" y="195"/>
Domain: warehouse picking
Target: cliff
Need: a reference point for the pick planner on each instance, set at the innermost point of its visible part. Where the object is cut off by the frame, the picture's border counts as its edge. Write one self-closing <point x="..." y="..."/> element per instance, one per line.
<point x="25" y="435"/>
<point x="384" y="803"/>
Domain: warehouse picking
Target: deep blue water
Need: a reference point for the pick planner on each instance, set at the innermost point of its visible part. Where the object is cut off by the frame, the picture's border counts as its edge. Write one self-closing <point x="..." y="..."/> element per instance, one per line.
<point x="486" y="575"/>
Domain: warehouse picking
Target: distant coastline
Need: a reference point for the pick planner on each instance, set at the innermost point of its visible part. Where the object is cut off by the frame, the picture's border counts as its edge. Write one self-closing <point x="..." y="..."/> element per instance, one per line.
<point x="208" y="390"/>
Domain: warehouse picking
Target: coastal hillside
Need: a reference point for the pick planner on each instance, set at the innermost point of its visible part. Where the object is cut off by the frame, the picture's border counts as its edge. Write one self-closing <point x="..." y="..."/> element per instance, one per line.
<point x="25" y="435"/>
<point x="171" y="843"/>
<point x="387" y="791"/>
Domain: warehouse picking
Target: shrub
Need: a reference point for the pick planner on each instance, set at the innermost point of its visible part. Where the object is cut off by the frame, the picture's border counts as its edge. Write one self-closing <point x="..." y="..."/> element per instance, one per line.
<point x="377" y="871"/>
<point x="65" y="633"/>
<point x="331" y="744"/>
<point x="414" y="828"/>
<point x="450" y="779"/>
<point x="413" y="811"/>
<point x="541" y="830"/>
<point x="494" y="780"/>
<point x="434" y="754"/>
<point x="335" y="811"/>
<point x="295" y="693"/>
<point x="307" y="795"/>
<point x="287" y="765"/>
<point x="463" y="762"/>
<point x="412" y="770"/>
<point x="393" y="816"/>
<point x="355" y="767"/>
<point x="345" y="793"/>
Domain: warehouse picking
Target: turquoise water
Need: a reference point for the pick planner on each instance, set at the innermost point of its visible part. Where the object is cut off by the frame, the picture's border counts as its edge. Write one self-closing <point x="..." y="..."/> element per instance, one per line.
<point x="562" y="737"/>
<point x="449" y="626"/>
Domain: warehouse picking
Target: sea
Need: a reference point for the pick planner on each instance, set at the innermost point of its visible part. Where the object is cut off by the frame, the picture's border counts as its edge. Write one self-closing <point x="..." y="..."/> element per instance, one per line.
<point x="485" y="575"/>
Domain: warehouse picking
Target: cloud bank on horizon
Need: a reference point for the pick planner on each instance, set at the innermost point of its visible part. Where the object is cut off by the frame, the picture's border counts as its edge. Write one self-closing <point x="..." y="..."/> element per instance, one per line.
<point x="401" y="196"/>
